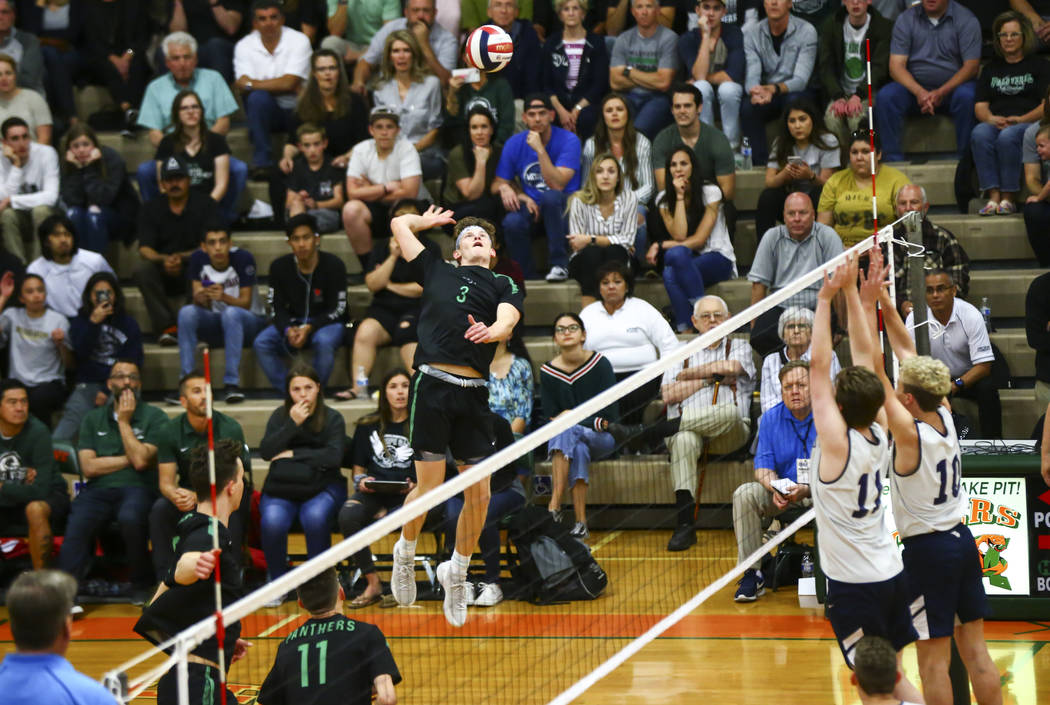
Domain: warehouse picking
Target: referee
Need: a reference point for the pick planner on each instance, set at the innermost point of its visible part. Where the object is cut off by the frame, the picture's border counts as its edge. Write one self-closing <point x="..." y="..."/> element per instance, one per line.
<point x="465" y="311"/>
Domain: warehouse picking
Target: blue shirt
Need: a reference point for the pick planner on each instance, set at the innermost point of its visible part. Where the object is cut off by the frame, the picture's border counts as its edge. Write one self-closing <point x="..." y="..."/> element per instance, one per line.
<point x="218" y="101"/>
<point x="936" y="52"/>
<point x="783" y="439"/>
<point x="519" y="160"/>
<point x="30" y="679"/>
<point x="732" y="37"/>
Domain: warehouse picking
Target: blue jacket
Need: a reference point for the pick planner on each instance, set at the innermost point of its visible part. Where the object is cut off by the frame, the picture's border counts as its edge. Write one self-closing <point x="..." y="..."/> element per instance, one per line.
<point x="593" y="81"/>
<point x="732" y="37"/>
<point x="96" y="346"/>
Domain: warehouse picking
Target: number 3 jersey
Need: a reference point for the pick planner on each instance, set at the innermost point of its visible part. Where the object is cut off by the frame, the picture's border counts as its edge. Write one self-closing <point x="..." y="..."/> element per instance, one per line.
<point x="929" y="499"/>
<point x="855" y="546"/>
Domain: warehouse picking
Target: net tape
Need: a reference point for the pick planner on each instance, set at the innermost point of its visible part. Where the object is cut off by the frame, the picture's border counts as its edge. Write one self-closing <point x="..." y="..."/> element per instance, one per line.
<point x="193" y="636"/>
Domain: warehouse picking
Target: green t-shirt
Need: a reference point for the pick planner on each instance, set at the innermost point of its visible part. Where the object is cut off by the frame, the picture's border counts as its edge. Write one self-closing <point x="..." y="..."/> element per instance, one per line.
<point x="183" y="438"/>
<point x="30" y="448"/>
<point x="714" y="156"/>
<point x="99" y="432"/>
<point x="365" y="17"/>
<point x="457" y="169"/>
<point x="850" y="203"/>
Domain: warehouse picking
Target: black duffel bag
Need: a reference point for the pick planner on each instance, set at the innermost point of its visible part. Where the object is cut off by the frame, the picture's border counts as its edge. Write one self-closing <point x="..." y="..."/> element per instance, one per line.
<point x="293" y="480"/>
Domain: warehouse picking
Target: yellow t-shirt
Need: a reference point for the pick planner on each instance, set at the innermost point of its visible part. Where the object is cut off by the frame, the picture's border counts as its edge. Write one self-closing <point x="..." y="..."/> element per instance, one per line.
<point x="850" y="203"/>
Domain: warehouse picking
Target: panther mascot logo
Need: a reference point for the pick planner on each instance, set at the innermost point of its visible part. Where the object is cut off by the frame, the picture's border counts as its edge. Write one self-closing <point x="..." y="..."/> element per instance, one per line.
<point x="993" y="565"/>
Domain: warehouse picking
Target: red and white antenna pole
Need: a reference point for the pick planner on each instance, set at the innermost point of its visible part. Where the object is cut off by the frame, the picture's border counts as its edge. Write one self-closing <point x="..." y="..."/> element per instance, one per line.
<point x="220" y="630"/>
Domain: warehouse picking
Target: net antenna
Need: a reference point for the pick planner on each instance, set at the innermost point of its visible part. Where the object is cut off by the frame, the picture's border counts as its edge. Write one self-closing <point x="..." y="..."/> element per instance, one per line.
<point x="188" y="639"/>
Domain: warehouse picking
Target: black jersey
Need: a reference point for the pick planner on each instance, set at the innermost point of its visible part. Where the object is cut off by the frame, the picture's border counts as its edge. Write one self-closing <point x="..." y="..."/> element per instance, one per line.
<point x="328" y="661"/>
<point x="182" y="606"/>
<point x="450" y="295"/>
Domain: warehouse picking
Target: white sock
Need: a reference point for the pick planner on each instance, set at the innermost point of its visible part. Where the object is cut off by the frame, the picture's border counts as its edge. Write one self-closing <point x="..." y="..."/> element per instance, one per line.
<point x="406" y="547"/>
<point x="460" y="563"/>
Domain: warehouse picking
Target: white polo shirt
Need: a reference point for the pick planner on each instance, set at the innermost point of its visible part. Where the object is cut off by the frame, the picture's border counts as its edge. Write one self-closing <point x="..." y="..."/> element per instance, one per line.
<point x="964" y="342"/>
<point x="290" y="56"/>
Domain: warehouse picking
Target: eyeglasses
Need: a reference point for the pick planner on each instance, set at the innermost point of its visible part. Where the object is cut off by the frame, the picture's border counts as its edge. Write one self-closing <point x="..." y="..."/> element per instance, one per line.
<point x="711" y="316"/>
<point x="797" y="326"/>
<point x="562" y="330"/>
<point x="1009" y="35"/>
<point x="940" y="289"/>
<point x="131" y="377"/>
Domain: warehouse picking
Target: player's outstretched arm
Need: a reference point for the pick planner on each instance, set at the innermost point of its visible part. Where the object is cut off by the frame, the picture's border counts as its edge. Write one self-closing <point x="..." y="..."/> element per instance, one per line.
<point x="404" y="229"/>
<point x="862" y="335"/>
<point x="507" y="317"/>
<point x="384" y="687"/>
<point x="831" y="428"/>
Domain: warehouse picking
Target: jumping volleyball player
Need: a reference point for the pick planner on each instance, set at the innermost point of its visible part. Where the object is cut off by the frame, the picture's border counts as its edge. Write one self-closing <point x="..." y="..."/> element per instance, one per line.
<point x="449" y="404"/>
<point x="867" y="590"/>
<point x="940" y="556"/>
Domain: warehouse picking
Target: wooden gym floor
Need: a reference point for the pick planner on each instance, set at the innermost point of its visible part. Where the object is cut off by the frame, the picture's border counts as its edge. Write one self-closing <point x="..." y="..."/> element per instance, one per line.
<point x="768" y="651"/>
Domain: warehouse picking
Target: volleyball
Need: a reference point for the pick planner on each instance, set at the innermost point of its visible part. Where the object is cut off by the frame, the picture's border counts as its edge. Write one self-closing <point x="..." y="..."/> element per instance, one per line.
<point x="489" y="48"/>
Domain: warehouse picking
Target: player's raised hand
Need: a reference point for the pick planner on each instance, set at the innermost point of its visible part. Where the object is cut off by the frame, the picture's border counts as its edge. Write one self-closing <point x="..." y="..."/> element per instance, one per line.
<point x="206" y="563"/>
<point x="478" y="332"/>
<point x="435" y="217"/>
<point x="833" y="282"/>
<point x="876" y="278"/>
<point x="240" y="650"/>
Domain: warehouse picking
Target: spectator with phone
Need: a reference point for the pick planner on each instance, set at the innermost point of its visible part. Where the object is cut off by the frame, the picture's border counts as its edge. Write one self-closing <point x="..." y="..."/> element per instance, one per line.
<point x="785" y="441"/>
<point x="470" y="89"/>
<point x="381" y="458"/>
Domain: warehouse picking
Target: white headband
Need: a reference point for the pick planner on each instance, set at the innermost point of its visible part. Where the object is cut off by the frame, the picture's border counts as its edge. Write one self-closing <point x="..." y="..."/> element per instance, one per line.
<point x="468" y="230"/>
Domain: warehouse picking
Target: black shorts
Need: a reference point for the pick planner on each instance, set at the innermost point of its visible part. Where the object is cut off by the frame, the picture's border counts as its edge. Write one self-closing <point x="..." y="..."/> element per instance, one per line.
<point x="944" y="569"/>
<point x="881" y="609"/>
<point x="394" y="323"/>
<point x="444" y="416"/>
<point x="13" y="519"/>
<point x="203" y="686"/>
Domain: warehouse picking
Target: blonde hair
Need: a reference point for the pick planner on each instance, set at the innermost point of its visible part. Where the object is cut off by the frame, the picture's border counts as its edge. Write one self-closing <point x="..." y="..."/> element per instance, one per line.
<point x="419" y="69"/>
<point x="588" y="194"/>
<point x="927" y="379"/>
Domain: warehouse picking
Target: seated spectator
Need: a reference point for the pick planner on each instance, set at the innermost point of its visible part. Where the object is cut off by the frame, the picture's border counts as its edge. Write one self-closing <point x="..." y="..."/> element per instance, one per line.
<point x="785" y="442"/>
<point x="303" y="442"/>
<point x="803" y="158"/>
<point x="617" y="18"/>
<point x="225" y="309"/>
<point x="440" y="47"/>
<point x="270" y="64"/>
<point x="60" y="25"/>
<point x="780" y="52"/>
<point x="795" y="329"/>
<point x="960" y="340"/>
<point x="714" y="156"/>
<point x="545" y="162"/>
<point x="315" y="184"/>
<point x="118" y="456"/>
<point x="183" y="74"/>
<point x="490" y="91"/>
<point x="574" y="376"/>
<point x="349" y="39"/>
<point x="96" y="191"/>
<point x="1037" y="333"/>
<point x="629" y="332"/>
<point x="213" y="26"/>
<point x="841" y="63"/>
<point x="205" y="154"/>
<point x="101" y="333"/>
<point x="404" y="86"/>
<point x="615" y="133"/>
<point x="506" y="495"/>
<point x="934" y="54"/>
<point x="942" y="249"/>
<point x="1037" y="205"/>
<point x="1009" y="98"/>
<point x="575" y="70"/>
<point x="511" y="387"/>
<point x="23" y="47"/>
<point x="642" y="66"/>
<point x="717" y="423"/>
<point x="691" y="241"/>
<point x="303" y="316"/>
<point x="187" y="432"/>
<point x="381" y="451"/>
<point x="382" y="170"/>
<point x="23" y="102"/>
<point x="170" y="230"/>
<point x="472" y="168"/>
<point x="28" y="188"/>
<point x="713" y="57"/>
<point x="603" y="219"/>
<point x="37" y="341"/>
<point x="521" y="72"/>
<point x="116" y="36"/>
<point x="784" y="254"/>
<point x="39" y="500"/>
<point x="392" y="316"/>
<point x="64" y="266"/>
<point x="845" y="200"/>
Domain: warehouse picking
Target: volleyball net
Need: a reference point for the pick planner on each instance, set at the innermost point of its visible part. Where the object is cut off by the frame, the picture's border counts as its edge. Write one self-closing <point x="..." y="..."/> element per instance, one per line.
<point x="519" y="651"/>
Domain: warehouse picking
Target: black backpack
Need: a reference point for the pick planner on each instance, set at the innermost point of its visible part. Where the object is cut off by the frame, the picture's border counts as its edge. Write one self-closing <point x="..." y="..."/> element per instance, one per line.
<point x="552" y="565"/>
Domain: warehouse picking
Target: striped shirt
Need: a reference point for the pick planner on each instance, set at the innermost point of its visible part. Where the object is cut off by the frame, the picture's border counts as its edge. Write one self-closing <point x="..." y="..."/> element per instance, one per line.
<point x="641" y="181"/>
<point x="574" y="53"/>
<point x="620" y="227"/>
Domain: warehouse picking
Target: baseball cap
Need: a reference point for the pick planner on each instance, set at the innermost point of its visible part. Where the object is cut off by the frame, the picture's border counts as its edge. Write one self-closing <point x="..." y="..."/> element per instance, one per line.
<point x="383" y="112"/>
<point x="532" y="99"/>
<point x="173" y="168"/>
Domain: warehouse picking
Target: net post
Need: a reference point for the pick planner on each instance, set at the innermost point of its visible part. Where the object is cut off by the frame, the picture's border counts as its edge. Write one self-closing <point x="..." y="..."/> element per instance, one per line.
<point x="182" y="672"/>
<point x="917" y="279"/>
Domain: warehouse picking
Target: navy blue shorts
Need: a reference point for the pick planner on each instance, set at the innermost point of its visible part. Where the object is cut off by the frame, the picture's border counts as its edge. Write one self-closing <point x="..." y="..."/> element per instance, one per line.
<point x="880" y="609"/>
<point x="944" y="568"/>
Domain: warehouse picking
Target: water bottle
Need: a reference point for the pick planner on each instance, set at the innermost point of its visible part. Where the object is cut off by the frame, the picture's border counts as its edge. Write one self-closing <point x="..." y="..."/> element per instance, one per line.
<point x="362" y="378"/>
<point x="807" y="565"/>
<point x="745" y="152"/>
<point x="986" y="311"/>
